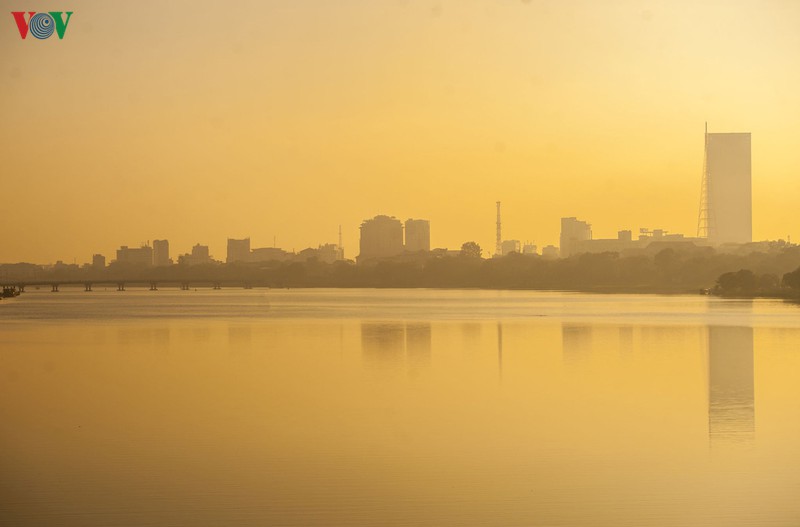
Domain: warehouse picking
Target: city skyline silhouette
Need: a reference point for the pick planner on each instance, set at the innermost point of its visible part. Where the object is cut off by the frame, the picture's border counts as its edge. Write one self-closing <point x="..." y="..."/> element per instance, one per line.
<point x="237" y="129"/>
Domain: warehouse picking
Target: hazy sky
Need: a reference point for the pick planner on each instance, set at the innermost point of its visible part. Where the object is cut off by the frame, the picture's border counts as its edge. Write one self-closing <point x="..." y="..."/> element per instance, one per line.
<point x="199" y="120"/>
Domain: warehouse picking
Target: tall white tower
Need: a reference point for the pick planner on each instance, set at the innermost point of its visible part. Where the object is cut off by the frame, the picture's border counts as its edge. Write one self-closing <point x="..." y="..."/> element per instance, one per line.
<point x="726" y="201"/>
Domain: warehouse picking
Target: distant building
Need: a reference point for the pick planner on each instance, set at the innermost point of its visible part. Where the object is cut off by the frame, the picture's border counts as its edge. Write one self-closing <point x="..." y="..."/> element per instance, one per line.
<point x="238" y="250"/>
<point x="269" y="254"/>
<point x="529" y="248"/>
<point x="98" y="261"/>
<point x="648" y="241"/>
<point x="329" y="253"/>
<point x="729" y="202"/>
<point x="510" y="246"/>
<point x="623" y="242"/>
<point x="135" y="256"/>
<point x="381" y="237"/>
<point x="199" y="255"/>
<point x="441" y="252"/>
<point x="418" y="235"/>
<point x="161" y="253"/>
<point x="573" y="231"/>
<point x="201" y="252"/>
<point x="550" y="251"/>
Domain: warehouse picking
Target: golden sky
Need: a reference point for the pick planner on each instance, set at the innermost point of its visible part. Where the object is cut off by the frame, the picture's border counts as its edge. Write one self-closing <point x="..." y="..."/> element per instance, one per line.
<point x="201" y="120"/>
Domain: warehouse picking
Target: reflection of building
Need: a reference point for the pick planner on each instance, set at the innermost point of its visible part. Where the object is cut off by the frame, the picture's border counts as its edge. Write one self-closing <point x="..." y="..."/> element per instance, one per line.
<point x="383" y="341"/>
<point x="418" y="235"/>
<point x="161" y="253"/>
<point x="731" y="399"/>
<point x="135" y="256"/>
<point x="238" y="250"/>
<point x="500" y="349"/>
<point x="509" y="246"/>
<point x="392" y="342"/>
<point x="418" y="343"/>
<point x="381" y="237"/>
<point x="573" y="231"/>
<point x="576" y="341"/>
<point x="729" y="188"/>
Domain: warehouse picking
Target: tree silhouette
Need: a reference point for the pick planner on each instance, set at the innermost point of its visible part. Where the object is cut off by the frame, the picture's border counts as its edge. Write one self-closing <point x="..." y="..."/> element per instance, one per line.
<point x="740" y="282"/>
<point x="471" y="250"/>
<point x="792" y="280"/>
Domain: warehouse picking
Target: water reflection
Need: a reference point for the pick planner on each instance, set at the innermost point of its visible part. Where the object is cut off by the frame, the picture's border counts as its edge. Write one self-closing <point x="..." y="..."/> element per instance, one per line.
<point x="626" y="340"/>
<point x="576" y="341"/>
<point x="383" y="342"/>
<point x="500" y="349"/>
<point x="392" y="343"/>
<point x="731" y="400"/>
<point x="240" y="335"/>
<point x="384" y="421"/>
<point x="141" y="337"/>
<point x="418" y="343"/>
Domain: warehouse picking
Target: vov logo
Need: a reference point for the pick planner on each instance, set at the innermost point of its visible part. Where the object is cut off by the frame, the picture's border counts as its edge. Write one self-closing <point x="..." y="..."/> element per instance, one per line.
<point x="41" y="25"/>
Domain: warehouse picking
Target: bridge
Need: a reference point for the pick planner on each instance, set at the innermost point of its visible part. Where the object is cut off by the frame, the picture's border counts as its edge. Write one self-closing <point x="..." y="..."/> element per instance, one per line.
<point x="16" y="287"/>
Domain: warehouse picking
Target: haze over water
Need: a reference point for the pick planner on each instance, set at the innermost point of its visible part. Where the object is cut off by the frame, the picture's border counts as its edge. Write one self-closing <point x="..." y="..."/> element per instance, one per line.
<point x="387" y="407"/>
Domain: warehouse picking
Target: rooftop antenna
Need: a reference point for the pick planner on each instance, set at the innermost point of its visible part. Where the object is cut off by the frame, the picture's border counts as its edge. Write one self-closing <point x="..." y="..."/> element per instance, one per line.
<point x="499" y="240"/>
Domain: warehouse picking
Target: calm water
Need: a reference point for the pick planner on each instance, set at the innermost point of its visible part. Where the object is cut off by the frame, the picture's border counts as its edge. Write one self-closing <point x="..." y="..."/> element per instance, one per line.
<point x="362" y="408"/>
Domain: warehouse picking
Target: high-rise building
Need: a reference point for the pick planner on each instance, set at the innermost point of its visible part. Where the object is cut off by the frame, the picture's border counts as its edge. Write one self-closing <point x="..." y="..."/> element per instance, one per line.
<point x="98" y="261"/>
<point x="726" y="209"/>
<point x="269" y="254"/>
<point x="550" y="251"/>
<point x="200" y="255"/>
<point x="573" y="231"/>
<point x="329" y="253"/>
<point x="418" y="235"/>
<point x="201" y="252"/>
<point x="381" y="237"/>
<point x="141" y="256"/>
<point x="529" y="248"/>
<point x="161" y="253"/>
<point x="238" y="250"/>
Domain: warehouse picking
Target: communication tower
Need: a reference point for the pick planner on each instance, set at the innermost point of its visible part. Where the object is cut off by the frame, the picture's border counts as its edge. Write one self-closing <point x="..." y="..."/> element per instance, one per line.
<point x="498" y="249"/>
